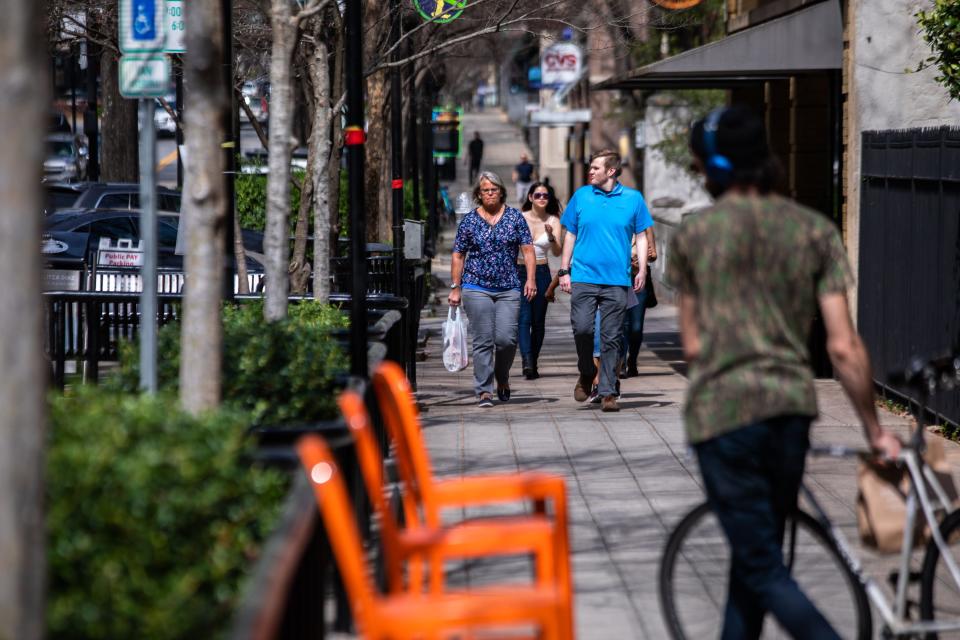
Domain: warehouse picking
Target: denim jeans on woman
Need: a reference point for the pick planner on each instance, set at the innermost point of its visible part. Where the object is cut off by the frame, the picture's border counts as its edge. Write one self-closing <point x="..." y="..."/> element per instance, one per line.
<point x="752" y="476"/>
<point x="493" y="325"/>
<point x="533" y="314"/>
<point x="633" y="329"/>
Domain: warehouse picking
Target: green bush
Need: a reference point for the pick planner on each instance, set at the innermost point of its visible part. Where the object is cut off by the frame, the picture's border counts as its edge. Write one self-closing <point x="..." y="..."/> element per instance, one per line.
<point x="941" y="30"/>
<point x="280" y="372"/>
<point x="251" y="194"/>
<point x="154" y="518"/>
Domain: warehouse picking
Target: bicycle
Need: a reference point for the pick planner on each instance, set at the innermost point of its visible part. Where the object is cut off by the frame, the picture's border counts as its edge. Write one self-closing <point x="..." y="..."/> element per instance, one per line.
<point x="695" y="562"/>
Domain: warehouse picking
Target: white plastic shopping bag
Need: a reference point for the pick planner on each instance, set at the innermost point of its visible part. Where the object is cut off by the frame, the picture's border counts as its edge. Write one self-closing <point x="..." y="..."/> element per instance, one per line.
<point x="455" y="354"/>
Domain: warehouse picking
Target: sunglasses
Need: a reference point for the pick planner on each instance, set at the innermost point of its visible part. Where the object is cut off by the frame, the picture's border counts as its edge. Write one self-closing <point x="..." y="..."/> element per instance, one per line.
<point x="540" y="196"/>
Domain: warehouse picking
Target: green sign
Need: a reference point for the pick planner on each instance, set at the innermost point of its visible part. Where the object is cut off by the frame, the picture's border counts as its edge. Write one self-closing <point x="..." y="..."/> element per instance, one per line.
<point x="440" y="10"/>
<point x="144" y="76"/>
<point x="447" y="131"/>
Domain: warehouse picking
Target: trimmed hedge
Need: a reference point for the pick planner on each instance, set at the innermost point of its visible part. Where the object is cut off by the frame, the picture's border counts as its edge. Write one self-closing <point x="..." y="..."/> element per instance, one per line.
<point x="280" y="372"/>
<point x="154" y="517"/>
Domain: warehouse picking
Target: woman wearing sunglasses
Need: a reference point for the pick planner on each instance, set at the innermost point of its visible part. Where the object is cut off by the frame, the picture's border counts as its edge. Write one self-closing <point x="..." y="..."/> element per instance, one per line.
<point x="541" y="210"/>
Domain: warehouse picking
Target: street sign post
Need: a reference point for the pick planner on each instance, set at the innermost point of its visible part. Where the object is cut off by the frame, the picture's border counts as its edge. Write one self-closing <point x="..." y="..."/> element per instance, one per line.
<point x="144" y="76"/>
<point x="175" y="27"/>
<point x="141" y="26"/>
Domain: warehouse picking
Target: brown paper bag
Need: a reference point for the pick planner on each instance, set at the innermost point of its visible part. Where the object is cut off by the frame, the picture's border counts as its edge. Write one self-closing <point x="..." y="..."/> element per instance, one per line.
<point x="882" y="500"/>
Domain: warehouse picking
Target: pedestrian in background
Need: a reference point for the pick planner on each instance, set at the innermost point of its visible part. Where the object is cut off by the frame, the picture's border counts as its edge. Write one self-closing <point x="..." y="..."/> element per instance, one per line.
<point x="474" y="156"/>
<point x="635" y="315"/>
<point x="752" y="270"/>
<point x="541" y="210"/>
<point x="523" y="175"/>
<point x="484" y="276"/>
<point x="602" y="219"/>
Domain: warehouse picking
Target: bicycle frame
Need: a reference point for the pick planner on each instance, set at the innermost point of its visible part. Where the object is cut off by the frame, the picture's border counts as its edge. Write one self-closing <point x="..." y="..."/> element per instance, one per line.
<point x="894" y="614"/>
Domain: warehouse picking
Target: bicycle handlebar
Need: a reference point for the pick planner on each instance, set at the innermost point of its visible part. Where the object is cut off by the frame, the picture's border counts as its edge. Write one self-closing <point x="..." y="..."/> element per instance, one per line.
<point x="937" y="374"/>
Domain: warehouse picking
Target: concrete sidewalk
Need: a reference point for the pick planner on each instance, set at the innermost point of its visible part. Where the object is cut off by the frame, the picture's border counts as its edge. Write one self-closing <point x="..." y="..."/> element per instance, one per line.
<point x="629" y="476"/>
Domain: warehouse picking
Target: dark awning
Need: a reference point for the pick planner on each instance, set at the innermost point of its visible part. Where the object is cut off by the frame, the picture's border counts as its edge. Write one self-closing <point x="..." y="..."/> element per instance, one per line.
<point x="807" y="41"/>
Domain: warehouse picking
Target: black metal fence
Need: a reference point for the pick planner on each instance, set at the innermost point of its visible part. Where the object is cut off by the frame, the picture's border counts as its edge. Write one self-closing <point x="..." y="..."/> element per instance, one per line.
<point x="909" y="272"/>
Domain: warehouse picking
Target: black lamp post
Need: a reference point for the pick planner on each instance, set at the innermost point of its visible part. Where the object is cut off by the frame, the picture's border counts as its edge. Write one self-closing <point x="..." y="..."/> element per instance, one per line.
<point x="396" y="150"/>
<point x="355" y="137"/>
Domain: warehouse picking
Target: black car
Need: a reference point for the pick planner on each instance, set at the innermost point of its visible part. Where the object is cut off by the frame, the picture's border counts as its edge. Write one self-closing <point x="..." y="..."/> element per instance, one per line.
<point x="104" y="195"/>
<point x="92" y="224"/>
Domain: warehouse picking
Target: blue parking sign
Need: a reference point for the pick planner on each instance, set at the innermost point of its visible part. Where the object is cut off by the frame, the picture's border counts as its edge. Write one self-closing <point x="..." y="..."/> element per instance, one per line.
<point x="144" y="20"/>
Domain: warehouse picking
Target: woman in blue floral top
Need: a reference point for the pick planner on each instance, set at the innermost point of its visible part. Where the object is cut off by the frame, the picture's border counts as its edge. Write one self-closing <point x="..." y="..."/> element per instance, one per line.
<point x="484" y="270"/>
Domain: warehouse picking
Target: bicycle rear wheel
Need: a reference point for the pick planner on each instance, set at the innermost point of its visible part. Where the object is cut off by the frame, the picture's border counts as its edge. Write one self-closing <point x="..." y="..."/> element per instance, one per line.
<point x="939" y="592"/>
<point x="695" y="569"/>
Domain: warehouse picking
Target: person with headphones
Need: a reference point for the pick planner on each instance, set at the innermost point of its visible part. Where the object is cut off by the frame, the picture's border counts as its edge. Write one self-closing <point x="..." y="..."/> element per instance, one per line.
<point x="603" y="219"/>
<point x="752" y="271"/>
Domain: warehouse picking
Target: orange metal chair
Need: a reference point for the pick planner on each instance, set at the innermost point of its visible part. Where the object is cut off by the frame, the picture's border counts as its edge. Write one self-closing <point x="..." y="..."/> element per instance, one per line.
<point x="503" y="536"/>
<point x="425" y="497"/>
<point x="397" y="617"/>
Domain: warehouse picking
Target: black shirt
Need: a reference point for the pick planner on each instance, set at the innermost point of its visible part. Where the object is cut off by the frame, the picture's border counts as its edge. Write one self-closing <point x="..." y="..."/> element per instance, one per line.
<point x="524" y="172"/>
<point x="475" y="149"/>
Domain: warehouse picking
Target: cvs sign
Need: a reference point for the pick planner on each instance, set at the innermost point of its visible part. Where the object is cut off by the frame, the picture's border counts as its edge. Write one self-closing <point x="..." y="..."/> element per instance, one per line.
<point x="560" y="64"/>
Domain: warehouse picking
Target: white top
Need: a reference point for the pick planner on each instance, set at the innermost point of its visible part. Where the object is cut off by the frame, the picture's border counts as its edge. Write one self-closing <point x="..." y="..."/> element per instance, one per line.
<point x="540" y="247"/>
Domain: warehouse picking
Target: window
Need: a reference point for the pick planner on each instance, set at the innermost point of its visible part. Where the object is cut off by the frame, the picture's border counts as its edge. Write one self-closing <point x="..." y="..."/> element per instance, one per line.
<point x="113" y="228"/>
<point x="114" y="201"/>
<point x="168" y="202"/>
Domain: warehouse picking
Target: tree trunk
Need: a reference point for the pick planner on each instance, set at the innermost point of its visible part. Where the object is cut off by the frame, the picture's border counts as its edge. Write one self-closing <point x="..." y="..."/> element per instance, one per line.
<point x="120" y="158"/>
<point x="336" y="151"/>
<point x="299" y="268"/>
<point x="320" y="148"/>
<point x="23" y="105"/>
<point x="205" y="208"/>
<point x="378" y="217"/>
<point x="275" y="243"/>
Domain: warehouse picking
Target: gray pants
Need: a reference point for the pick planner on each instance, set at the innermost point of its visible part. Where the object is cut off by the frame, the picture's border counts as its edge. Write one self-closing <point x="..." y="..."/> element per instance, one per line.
<point x="585" y="299"/>
<point x="493" y="325"/>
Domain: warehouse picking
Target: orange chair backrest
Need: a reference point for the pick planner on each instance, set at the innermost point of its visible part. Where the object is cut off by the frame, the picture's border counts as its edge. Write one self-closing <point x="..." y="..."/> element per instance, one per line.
<point x="403" y="423"/>
<point x="340" y="523"/>
<point x="371" y="467"/>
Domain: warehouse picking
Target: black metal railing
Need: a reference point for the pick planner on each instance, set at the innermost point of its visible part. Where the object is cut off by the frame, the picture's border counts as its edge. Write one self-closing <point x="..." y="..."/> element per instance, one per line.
<point x="909" y="265"/>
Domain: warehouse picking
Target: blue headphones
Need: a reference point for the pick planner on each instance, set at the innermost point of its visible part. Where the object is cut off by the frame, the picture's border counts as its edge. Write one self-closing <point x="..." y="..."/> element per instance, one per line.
<point x="719" y="168"/>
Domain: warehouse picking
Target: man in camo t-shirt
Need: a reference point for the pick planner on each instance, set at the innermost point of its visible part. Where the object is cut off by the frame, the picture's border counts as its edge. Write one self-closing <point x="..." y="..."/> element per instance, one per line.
<point x="752" y="271"/>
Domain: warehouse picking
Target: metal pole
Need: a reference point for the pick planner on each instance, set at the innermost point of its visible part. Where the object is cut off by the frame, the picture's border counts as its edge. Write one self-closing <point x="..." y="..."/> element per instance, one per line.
<point x="148" y="238"/>
<point x="178" y="75"/>
<point x="355" y="139"/>
<point x="229" y="148"/>
<point x="396" y="151"/>
<point x="91" y="123"/>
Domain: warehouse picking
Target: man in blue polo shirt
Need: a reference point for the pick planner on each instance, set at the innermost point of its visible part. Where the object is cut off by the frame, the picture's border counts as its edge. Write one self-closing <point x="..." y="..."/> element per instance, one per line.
<point x="602" y="220"/>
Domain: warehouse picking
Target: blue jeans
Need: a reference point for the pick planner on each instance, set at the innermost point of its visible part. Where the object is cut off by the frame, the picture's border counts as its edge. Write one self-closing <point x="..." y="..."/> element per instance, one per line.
<point x="752" y="476"/>
<point x="633" y="330"/>
<point x="533" y="314"/>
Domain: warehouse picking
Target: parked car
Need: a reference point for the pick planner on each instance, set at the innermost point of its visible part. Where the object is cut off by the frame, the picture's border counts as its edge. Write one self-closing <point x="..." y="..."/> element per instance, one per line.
<point x="256" y="96"/>
<point x="66" y="157"/>
<point x="104" y="195"/>
<point x="94" y="224"/>
<point x="166" y="126"/>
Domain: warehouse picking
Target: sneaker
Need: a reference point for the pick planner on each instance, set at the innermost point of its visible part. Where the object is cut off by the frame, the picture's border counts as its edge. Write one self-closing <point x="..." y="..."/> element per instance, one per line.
<point x="486" y="401"/>
<point x="632" y="371"/>
<point x="503" y="393"/>
<point x="609" y="403"/>
<point x="580" y="391"/>
<point x="617" y="388"/>
<point x="594" y="395"/>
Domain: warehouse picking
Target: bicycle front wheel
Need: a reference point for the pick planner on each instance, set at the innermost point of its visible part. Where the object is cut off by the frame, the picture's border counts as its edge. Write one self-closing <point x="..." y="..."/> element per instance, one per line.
<point x="939" y="592"/>
<point x="695" y="567"/>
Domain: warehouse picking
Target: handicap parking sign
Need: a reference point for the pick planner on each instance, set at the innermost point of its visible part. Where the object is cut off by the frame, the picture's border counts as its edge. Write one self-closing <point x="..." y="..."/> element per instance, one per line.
<point x="141" y="26"/>
<point x="144" y="25"/>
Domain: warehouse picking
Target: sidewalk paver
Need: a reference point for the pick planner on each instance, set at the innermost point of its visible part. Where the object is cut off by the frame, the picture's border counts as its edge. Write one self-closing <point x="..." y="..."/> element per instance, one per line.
<point x="629" y="475"/>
